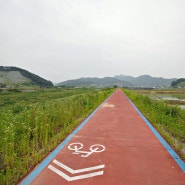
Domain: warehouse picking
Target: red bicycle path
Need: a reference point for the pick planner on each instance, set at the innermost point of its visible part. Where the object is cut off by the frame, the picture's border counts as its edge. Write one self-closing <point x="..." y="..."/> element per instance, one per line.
<point x="133" y="155"/>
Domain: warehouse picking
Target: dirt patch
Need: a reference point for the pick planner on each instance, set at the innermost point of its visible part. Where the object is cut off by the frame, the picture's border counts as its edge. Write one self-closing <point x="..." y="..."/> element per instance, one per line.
<point x="108" y="105"/>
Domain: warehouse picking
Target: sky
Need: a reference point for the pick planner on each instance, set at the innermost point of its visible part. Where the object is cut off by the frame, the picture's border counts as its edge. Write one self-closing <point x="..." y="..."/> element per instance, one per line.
<point x="68" y="39"/>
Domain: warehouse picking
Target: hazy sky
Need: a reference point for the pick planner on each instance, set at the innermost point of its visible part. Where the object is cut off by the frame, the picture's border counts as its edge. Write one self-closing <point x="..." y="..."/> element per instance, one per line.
<point x="67" y="39"/>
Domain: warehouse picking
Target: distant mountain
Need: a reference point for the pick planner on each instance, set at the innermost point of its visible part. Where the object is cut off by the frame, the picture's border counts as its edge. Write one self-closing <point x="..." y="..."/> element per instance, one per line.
<point x="95" y="82"/>
<point x="15" y="75"/>
<point x="120" y="81"/>
<point x="146" y="81"/>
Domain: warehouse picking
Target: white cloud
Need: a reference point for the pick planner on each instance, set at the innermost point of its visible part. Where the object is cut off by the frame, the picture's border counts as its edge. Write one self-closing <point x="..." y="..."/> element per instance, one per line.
<point x="93" y="37"/>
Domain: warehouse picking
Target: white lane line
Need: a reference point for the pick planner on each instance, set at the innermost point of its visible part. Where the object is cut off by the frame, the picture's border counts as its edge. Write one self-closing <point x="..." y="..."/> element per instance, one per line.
<point x="66" y="177"/>
<point x="79" y="170"/>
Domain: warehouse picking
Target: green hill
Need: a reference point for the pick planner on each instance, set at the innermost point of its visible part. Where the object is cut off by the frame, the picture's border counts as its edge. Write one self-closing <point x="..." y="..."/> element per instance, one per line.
<point x="15" y="75"/>
<point x="95" y="82"/>
<point x="182" y="84"/>
<point x="146" y="81"/>
<point x="178" y="83"/>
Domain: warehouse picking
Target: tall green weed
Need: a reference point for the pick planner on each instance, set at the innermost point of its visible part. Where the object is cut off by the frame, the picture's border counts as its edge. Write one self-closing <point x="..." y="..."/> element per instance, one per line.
<point x="29" y="134"/>
<point x="168" y="120"/>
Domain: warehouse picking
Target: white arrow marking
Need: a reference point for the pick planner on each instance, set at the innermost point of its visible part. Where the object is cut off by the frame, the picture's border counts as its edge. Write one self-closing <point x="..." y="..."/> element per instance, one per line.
<point x="77" y="171"/>
<point x="66" y="177"/>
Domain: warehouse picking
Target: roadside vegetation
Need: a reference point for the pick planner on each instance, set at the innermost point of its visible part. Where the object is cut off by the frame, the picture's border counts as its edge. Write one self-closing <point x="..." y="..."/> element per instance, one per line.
<point x="167" y="119"/>
<point x="32" y="124"/>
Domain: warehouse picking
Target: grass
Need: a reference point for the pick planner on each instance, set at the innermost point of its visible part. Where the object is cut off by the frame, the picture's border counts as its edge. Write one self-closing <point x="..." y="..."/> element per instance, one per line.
<point x="9" y="99"/>
<point x="168" y="120"/>
<point x="33" y="124"/>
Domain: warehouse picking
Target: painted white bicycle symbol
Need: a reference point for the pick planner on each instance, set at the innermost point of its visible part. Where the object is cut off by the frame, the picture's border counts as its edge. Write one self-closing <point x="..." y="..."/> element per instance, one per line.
<point x="96" y="148"/>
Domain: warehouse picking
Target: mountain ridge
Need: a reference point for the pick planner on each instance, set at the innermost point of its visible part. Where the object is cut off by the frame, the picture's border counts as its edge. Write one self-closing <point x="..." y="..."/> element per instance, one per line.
<point x="147" y="81"/>
<point x="97" y="82"/>
<point x="14" y="75"/>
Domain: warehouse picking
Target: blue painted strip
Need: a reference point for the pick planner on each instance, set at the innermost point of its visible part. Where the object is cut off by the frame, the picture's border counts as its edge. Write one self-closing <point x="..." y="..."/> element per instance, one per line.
<point x="175" y="156"/>
<point x="50" y="157"/>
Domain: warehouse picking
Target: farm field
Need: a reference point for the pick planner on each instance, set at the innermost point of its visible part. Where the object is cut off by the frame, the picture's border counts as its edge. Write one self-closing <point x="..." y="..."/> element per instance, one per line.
<point x="32" y="124"/>
<point x="163" y="109"/>
<point x="170" y="96"/>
